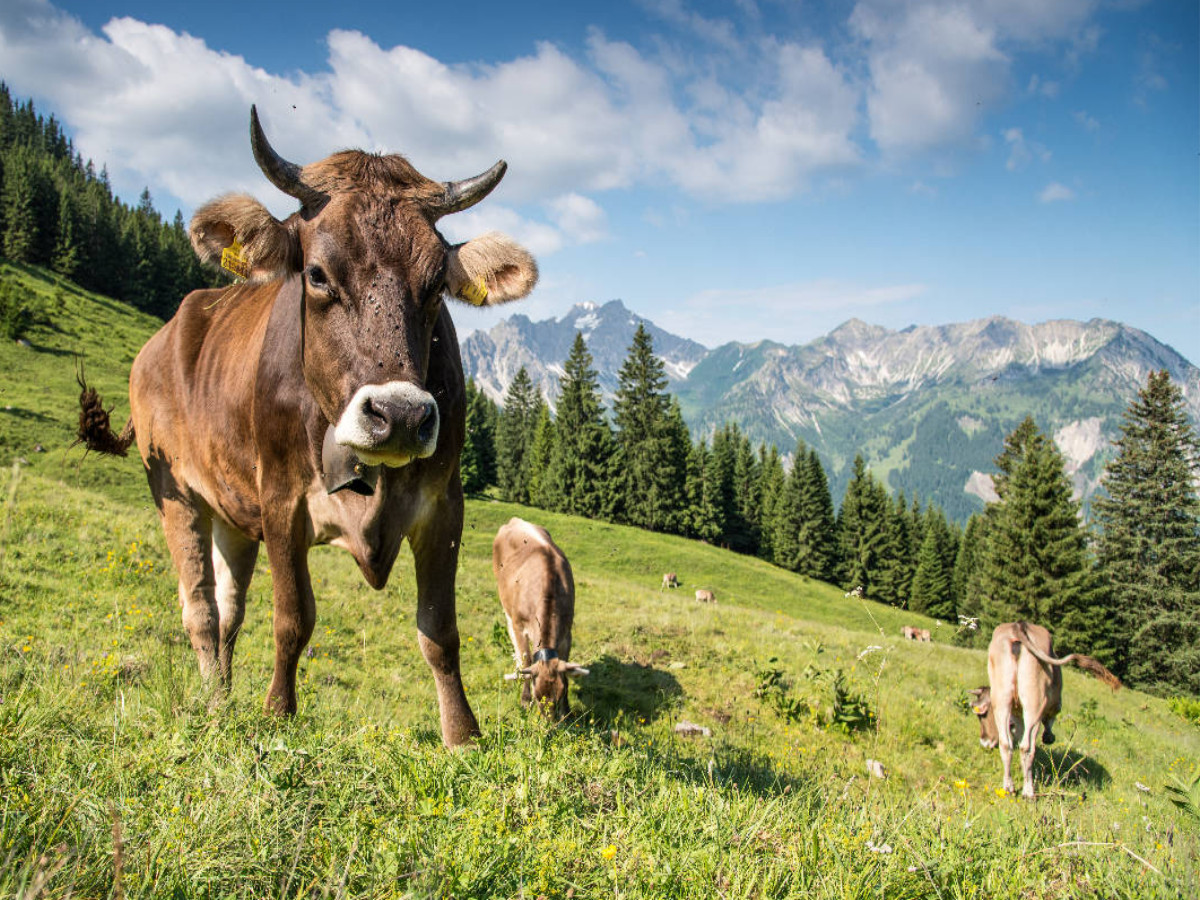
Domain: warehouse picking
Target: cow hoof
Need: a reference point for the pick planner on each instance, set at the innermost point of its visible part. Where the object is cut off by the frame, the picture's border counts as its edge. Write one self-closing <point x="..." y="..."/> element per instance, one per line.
<point x="1048" y="737"/>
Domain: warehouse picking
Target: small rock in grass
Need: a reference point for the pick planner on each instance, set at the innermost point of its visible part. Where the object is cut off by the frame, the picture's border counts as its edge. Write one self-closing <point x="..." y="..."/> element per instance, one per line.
<point x="689" y="729"/>
<point x="875" y="767"/>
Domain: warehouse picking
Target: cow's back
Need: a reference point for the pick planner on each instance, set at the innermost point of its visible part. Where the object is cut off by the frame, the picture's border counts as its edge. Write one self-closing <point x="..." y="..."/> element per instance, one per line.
<point x="530" y="569"/>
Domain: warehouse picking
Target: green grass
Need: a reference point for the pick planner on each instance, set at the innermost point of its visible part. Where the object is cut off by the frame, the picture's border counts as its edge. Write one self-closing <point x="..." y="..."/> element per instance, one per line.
<point x="117" y="780"/>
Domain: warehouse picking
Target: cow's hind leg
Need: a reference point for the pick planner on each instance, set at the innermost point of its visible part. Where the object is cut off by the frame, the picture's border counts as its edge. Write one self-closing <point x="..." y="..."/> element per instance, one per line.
<point x="1004" y="723"/>
<point x="188" y="530"/>
<point x="233" y="557"/>
<point x="435" y="555"/>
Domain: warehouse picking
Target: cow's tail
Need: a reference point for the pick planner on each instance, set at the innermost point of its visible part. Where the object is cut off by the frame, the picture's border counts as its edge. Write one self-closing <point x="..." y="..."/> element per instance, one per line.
<point x="1087" y="663"/>
<point x="95" y="428"/>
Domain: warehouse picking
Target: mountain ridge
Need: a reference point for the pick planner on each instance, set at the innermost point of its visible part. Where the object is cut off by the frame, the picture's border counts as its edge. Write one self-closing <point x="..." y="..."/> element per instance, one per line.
<point x="900" y="397"/>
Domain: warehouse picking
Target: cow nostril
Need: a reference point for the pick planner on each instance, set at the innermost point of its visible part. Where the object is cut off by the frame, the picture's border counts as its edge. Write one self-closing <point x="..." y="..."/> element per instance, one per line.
<point x="429" y="421"/>
<point x="375" y="412"/>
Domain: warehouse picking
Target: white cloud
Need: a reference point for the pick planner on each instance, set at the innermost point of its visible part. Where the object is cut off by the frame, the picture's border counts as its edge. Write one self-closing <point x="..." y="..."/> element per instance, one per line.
<point x="165" y="108"/>
<point x="1054" y="192"/>
<point x="1086" y="121"/>
<point x="936" y="66"/>
<point x="1021" y="152"/>
<point x="580" y="218"/>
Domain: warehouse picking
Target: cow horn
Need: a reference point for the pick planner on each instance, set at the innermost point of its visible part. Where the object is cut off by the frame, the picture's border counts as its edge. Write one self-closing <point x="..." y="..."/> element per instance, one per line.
<point x="460" y="195"/>
<point x="281" y="173"/>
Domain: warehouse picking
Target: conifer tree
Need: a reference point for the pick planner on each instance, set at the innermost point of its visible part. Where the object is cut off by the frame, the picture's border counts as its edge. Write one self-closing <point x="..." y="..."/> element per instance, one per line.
<point x="541" y="458"/>
<point x="580" y="466"/>
<point x="702" y="495"/>
<point x="1034" y="565"/>
<point x="862" y="530"/>
<point x="931" y="582"/>
<point x="818" y="539"/>
<point x="893" y="584"/>
<point x="514" y="438"/>
<point x="478" y="458"/>
<point x="966" y="562"/>
<point x="648" y="476"/>
<point x="770" y="490"/>
<point x="1149" y="544"/>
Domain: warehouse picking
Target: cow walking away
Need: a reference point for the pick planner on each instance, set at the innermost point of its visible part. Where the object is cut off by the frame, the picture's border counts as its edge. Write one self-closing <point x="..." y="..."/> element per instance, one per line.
<point x="1024" y="694"/>
<point x="669" y="581"/>
<point x="322" y="402"/>
<point x="537" y="591"/>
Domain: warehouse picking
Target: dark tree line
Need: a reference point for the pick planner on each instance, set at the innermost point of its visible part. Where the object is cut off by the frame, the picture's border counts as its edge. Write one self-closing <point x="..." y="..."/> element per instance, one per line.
<point x="56" y="211"/>
<point x="640" y="467"/>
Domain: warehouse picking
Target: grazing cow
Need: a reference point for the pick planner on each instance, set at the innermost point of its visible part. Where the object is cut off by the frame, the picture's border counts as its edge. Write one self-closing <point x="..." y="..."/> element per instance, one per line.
<point x="320" y="403"/>
<point x="909" y="633"/>
<point x="1024" y="693"/>
<point x="704" y="595"/>
<point x="669" y="581"/>
<point x="537" y="592"/>
<point x="924" y="635"/>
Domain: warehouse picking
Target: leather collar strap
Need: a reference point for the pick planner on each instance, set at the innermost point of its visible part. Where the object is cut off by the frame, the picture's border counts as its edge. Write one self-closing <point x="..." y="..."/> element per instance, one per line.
<point x="545" y="654"/>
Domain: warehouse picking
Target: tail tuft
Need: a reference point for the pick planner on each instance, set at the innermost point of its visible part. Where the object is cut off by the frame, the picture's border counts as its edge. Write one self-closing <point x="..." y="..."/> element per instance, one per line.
<point x="95" y="429"/>
<point x="1097" y="668"/>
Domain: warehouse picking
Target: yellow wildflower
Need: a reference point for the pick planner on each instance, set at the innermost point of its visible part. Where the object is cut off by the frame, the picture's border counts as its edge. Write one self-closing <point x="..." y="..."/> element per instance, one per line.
<point x="609" y="852"/>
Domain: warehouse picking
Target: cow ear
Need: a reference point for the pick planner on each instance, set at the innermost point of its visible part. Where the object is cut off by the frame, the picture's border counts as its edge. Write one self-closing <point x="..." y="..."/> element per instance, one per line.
<point x="489" y="270"/>
<point x="267" y="246"/>
<point x="574" y="670"/>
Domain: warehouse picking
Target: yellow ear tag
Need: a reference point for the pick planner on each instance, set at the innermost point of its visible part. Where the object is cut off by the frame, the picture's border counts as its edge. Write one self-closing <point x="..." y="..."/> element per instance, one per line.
<point x="233" y="261"/>
<point x="474" y="292"/>
<point x="978" y="710"/>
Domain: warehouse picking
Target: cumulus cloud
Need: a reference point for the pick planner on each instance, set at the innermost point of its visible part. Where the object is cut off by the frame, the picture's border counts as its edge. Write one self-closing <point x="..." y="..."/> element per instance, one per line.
<point x="164" y="107"/>
<point x="935" y="66"/>
<point x="1054" y="192"/>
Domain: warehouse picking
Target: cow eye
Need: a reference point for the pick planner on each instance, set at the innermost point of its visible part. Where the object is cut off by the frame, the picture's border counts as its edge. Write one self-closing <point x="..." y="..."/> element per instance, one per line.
<point x="316" y="277"/>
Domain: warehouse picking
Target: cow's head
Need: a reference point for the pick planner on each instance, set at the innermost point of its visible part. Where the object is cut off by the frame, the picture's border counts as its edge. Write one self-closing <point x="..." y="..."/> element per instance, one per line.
<point x="546" y="685"/>
<point x="982" y="707"/>
<point x="375" y="270"/>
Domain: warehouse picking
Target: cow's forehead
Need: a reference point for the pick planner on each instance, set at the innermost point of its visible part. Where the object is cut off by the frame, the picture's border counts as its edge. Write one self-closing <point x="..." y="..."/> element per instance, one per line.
<point x="378" y="229"/>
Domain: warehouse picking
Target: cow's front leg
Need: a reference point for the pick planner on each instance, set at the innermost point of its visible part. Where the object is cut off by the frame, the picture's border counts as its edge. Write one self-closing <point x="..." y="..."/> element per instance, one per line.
<point x="295" y="609"/>
<point x="435" y="555"/>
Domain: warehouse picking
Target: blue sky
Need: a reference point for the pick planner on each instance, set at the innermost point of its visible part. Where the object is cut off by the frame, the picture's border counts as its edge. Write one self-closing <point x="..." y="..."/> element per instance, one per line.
<point x="734" y="171"/>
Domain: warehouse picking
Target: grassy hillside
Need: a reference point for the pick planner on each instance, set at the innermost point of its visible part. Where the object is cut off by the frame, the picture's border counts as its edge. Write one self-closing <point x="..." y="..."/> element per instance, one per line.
<point x="117" y="780"/>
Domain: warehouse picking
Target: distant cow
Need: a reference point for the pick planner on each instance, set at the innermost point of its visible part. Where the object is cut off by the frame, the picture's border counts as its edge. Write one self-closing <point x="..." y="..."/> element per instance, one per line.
<point x="537" y="592"/>
<point x="704" y="595"/>
<point x="915" y="634"/>
<point x="669" y="581"/>
<point x="924" y="635"/>
<point x="1024" y="680"/>
<point x="322" y="402"/>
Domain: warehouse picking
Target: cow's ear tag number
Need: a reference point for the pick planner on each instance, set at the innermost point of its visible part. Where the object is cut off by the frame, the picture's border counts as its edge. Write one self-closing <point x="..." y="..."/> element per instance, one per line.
<point x="475" y="292"/>
<point x="233" y="260"/>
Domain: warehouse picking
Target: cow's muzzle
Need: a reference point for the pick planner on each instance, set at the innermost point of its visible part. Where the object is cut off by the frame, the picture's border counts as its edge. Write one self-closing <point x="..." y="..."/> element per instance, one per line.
<point x="389" y="424"/>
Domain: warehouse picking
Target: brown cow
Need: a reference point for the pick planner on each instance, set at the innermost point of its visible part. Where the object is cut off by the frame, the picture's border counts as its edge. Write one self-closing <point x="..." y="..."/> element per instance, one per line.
<point x="669" y="581"/>
<point x="321" y="403"/>
<point x="908" y="632"/>
<point x="704" y="595"/>
<point x="537" y="592"/>
<point x="1024" y="681"/>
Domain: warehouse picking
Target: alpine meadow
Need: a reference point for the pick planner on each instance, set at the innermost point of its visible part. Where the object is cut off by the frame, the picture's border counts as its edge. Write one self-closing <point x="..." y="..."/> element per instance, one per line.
<point x="784" y="740"/>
